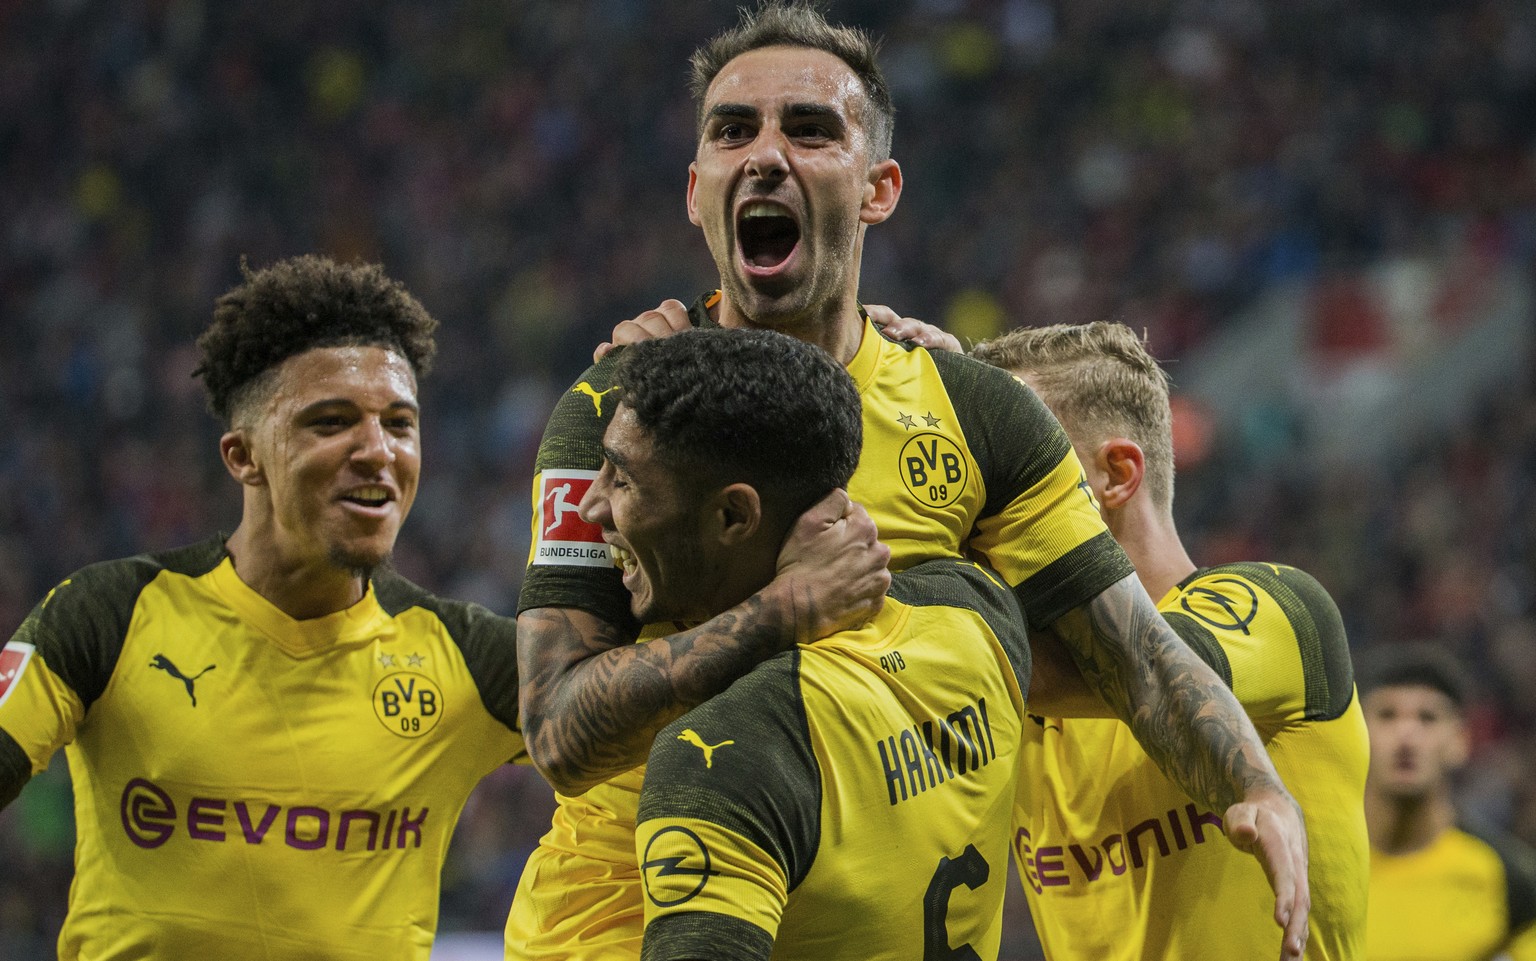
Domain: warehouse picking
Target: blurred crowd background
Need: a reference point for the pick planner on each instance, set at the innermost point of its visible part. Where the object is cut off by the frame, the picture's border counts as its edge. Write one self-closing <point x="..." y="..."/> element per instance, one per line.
<point x="520" y="165"/>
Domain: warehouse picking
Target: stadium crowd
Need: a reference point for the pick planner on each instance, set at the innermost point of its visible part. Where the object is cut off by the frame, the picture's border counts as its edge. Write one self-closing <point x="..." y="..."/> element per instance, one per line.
<point x="517" y="166"/>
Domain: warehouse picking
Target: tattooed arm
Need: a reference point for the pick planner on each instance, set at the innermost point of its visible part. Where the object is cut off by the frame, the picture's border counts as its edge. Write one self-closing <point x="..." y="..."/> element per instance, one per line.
<point x="591" y="702"/>
<point x="1195" y="730"/>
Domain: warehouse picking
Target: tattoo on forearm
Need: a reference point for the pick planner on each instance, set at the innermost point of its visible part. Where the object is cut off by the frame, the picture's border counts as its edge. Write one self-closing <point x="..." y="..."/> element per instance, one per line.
<point x="592" y="702"/>
<point x="1183" y="716"/>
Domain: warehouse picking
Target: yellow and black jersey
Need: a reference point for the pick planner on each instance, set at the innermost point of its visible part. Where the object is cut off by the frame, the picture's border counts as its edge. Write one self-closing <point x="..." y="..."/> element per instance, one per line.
<point x="249" y="786"/>
<point x="1468" y="896"/>
<point x="959" y="458"/>
<point x="1118" y="863"/>
<point x="849" y="799"/>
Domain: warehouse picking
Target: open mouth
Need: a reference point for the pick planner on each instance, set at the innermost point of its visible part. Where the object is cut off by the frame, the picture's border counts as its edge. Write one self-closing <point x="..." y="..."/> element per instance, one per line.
<point x="768" y="235"/>
<point x="371" y="496"/>
<point x="622" y="557"/>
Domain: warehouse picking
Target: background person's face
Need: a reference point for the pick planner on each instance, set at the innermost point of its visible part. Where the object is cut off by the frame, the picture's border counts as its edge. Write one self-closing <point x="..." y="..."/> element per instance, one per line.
<point x="1418" y="739"/>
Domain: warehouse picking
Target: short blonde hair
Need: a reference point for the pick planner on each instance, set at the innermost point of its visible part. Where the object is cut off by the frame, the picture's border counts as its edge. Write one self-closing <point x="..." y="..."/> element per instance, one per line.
<point x="1100" y="382"/>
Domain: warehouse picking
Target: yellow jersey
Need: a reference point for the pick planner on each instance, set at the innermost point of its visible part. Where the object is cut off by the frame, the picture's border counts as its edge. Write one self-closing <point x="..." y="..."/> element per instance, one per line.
<point x="1119" y="864"/>
<point x="850" y="799"/>
<point x="250" y="786"/>
<point x="959" y="458"/>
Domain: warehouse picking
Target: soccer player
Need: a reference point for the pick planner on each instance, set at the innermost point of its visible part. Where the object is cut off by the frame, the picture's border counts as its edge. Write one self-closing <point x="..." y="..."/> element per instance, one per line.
<point x="793" y="165"/>
<point x="271" y="734"/>
<point x="893" y="748"/>
<point x="1101" y="833"/>
<point x="1440" y="888"/>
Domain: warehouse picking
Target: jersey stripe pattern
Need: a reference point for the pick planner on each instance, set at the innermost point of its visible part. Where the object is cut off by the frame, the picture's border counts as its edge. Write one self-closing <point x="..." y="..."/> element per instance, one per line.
<point x="249" y="786"/>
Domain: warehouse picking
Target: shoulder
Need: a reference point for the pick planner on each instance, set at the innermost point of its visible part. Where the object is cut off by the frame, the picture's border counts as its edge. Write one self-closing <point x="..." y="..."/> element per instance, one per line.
<point x="1254" y="617"/>
<point x="713" y="764"/>
<point x="1518" y="860"/>
<point x="486" y="640"/>
<point x="952" y="582"/>
<point x="79" y="627"/>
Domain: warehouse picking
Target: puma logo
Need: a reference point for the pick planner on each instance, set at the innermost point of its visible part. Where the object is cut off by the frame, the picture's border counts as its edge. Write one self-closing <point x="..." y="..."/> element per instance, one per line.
<point x="596" y="395"/>
<point x="163" y="663"/>
<point x="692" y="737"/>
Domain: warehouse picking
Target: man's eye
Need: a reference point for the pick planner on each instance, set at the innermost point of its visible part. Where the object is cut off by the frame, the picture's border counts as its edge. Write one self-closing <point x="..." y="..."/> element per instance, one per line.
<point x="733" y="131"/>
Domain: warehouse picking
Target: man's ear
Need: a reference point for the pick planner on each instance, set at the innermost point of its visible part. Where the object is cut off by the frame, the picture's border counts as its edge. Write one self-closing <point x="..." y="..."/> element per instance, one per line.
<point x="739" y="513"/>
<point x="239" y="459"/>
<point x="881" y="192"/>
<point x="1124" y="466"/>
<point x="693" y="181"/>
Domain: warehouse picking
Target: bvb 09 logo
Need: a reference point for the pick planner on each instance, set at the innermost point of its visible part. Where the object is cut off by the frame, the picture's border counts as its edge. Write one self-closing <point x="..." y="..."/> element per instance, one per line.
<point x="933" y="469"/>
<point x="408" y="704"/>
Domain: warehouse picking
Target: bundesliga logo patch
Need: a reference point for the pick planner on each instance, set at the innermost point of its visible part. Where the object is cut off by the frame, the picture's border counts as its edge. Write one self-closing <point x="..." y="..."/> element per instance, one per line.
<point x="560" y="535"/>
<point x="13" y="660"/>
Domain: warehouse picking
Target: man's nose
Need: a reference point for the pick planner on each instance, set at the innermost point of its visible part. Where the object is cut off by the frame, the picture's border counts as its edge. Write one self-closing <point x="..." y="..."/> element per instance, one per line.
<point x="768" y="159"/>
<point x="373" y="449"/>
<point x="594" y="505"/>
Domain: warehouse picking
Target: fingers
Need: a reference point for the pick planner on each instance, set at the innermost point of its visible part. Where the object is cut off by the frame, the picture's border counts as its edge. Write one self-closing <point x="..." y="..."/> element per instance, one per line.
<point x="911" y="329"/>
<point x="829" y="510"/>
<point x="1273" y="832"/>
<point x="667" y="318"/>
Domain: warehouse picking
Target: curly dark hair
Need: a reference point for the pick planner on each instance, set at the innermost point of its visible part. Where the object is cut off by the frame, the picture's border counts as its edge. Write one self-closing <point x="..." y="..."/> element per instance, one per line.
<point x="755" y="406"/>
<point x="297" y="305"/>
<point x="797" y="23"/>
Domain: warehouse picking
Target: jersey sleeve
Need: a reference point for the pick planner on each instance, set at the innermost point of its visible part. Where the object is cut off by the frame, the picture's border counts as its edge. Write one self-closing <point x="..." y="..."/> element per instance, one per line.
<point x="568" y="563"/>
<point x="1039" y="528"/>
<point x="1273" y="635"/>
<point x="61" y="658"/>
<point x="720" y="842"/>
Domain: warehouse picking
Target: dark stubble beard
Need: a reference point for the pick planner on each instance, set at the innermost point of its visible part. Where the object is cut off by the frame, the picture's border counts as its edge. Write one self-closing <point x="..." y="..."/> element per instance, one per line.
<point x="357" y="564"/>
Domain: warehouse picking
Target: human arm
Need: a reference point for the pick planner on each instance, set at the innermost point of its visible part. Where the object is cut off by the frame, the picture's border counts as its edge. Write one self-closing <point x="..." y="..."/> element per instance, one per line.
<point x="591" y="701"/>
<point x="1042" y="530"/>
<point x="1197" y="733"/>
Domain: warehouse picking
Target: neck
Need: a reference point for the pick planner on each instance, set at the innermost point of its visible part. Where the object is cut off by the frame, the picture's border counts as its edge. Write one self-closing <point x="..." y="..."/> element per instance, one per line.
<point x="837" y="327"/>
<point x="300" y="589"/>
<point x="1151" y="541"/>
<point x="1400" y="825"/>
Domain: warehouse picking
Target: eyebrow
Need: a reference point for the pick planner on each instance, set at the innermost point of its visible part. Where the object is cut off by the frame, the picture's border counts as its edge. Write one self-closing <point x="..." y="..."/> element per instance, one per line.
<point x="732" y="110"/>
<point x="318" y="405"/>
<point x="738" y="111"/>
<point x="615" y="458"/>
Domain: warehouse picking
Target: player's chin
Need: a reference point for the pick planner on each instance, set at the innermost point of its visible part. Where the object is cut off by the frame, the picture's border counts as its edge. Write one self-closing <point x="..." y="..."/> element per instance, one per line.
<point x="363" y="555"/>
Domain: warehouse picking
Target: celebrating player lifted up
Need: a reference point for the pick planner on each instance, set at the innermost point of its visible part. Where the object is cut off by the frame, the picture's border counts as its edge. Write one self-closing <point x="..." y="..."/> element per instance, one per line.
<point x="793" y="165"/>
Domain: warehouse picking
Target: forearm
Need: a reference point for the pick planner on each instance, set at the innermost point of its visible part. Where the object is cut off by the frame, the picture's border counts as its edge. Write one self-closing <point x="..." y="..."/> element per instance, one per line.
<point x="1181" y="713"/>
<point x="591" y="703"/>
